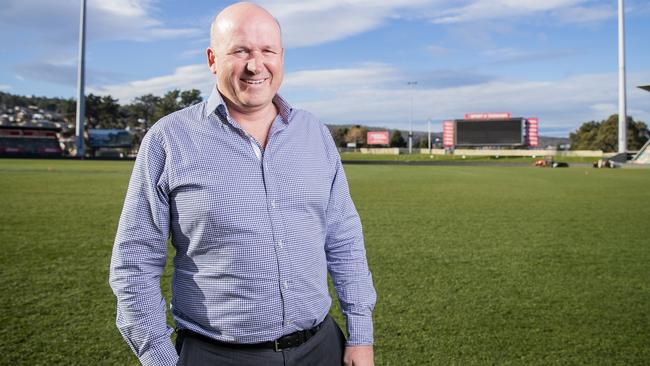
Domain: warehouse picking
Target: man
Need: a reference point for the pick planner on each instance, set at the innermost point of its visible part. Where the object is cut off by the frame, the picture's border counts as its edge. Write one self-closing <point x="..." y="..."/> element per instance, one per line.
<point x="256" y="200"/>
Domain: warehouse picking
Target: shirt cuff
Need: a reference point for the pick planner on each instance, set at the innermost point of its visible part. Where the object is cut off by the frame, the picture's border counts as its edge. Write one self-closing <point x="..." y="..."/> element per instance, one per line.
<point x="163" y="354"/>
<point x="359" y="330"/>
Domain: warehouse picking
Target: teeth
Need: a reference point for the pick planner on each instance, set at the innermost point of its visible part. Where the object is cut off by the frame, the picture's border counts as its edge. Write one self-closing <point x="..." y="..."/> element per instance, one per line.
<point x="254" y="82"/>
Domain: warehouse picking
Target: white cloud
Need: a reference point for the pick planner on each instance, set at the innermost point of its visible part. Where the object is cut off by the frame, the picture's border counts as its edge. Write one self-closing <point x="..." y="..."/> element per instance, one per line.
<point x="125" y="8"/>
<point x="106" y="20"/>
<point x="367" y="76"/>
<point x="604" y="108"/>
<point x="307" y="23"/>
<point x="496" y="9"/>
<point x="508" y="54"/>
<point x="582" y="14"/>
<point x="437" y="50"/>
<point x="5" y="87"/>
<point x="184" y="78"/>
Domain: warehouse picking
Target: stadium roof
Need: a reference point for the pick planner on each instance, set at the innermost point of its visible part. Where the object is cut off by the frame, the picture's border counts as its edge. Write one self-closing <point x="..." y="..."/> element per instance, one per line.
<point x="645" y="87"/>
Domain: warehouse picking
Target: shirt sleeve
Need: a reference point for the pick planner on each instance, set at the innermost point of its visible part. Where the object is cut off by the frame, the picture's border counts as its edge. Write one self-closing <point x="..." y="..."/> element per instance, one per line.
<point x="346" y="257"/>
<point x="140" y="255"/>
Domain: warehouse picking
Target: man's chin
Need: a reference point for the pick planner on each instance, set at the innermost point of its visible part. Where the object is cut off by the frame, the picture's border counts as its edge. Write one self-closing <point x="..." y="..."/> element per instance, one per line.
<point x="255" y="103"/>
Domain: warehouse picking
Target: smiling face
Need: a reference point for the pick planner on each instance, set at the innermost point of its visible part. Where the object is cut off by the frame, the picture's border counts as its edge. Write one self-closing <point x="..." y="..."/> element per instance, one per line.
<point x="247" y="57"/>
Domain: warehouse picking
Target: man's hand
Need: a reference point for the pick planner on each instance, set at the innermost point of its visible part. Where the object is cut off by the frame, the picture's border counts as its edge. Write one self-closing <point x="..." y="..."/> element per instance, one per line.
<point x="358" y="356"/>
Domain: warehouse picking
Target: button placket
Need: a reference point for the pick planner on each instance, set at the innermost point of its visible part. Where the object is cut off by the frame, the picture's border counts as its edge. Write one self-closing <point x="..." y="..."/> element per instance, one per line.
<point x="284" y="267"/>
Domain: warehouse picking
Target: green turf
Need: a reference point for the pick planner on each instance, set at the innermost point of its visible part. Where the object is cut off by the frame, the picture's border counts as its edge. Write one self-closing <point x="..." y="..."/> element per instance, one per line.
<point x="473" y="265"/>
<point x="416" y="157"/>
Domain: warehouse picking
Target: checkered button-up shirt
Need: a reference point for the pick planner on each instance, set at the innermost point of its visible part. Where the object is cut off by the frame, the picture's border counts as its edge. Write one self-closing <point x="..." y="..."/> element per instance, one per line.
<point x="256" y="230"/>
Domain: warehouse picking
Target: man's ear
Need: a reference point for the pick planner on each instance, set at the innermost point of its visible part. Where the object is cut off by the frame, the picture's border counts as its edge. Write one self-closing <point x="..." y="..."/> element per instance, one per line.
<point x="212" y="60"/>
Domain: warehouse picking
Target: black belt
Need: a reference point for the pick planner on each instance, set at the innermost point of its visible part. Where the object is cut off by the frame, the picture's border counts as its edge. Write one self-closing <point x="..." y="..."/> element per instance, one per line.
<point x="288" y="341"/>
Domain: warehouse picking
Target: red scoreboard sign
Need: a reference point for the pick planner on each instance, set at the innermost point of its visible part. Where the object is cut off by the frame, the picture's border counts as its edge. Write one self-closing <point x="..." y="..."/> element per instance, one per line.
<point x="532" y="132"/>
<point x="448" y="129"/>
<point x="377" y="138"/>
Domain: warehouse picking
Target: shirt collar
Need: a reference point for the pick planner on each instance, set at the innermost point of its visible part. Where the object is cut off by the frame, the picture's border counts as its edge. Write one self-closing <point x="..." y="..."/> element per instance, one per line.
<point x="215" y="103"/>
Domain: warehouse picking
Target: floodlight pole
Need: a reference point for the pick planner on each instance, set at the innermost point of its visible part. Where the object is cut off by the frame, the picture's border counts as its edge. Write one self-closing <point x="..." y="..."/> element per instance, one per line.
<point x="429" y="134"/>
<point x="412" y="84"/>
<point x="81" y="110"/>
<point x="622" y="113"/>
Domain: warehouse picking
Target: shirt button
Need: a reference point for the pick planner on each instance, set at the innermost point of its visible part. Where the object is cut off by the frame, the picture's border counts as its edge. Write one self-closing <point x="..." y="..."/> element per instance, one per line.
<point x="281" y="244"/>
<point x="273" y="203"/>
<point x="286" y="285"/>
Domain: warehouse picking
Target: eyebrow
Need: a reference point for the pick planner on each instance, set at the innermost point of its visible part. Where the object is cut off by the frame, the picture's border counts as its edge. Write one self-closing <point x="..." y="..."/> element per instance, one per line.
<point x="264" y="47"/>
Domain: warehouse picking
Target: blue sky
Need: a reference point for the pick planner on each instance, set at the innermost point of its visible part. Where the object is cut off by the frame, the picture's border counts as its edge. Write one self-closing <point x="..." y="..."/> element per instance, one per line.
<point x="350" y="61"/>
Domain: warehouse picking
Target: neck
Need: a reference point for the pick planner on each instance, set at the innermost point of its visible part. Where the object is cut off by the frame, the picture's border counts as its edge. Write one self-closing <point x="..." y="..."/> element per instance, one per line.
<point x="256" y="122"/>
<point x="256" y="116"/>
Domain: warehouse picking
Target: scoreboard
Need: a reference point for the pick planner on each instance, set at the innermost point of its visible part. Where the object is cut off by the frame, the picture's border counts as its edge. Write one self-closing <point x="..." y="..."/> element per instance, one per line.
<point x="502" y="132"/>
<point x="490" y="129"/>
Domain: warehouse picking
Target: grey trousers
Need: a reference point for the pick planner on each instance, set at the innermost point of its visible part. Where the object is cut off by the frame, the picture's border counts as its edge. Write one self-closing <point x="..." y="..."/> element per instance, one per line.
<point x="325" y="348"/>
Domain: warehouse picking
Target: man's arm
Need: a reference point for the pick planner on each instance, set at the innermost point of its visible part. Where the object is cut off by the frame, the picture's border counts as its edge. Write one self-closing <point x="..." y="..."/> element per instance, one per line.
<point x="139" y="257"/>
<point x="347" y="264"/>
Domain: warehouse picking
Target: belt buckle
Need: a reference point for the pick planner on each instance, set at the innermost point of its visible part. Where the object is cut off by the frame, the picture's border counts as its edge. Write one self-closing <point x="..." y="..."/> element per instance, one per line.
<point x="276" y="346"/>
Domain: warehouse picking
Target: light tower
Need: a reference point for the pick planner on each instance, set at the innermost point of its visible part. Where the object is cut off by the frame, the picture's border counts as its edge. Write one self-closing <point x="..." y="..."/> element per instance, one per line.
<point x="81" y="110"/>
<point x="622" y="113"/>
<point x="412" y="84"/>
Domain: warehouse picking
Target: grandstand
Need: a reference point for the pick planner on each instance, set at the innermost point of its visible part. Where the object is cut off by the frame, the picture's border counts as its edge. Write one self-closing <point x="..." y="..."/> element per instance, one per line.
<point x="21" y="141"/>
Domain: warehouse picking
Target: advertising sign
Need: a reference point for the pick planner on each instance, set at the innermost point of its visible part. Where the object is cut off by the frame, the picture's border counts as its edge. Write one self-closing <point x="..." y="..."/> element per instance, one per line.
<point x="532" y="132"/>
<point x="448" y="133"/>
<point x="377" y="138"/>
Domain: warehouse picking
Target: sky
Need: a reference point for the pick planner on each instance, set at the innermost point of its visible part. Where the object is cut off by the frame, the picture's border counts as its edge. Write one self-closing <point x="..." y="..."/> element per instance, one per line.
<point x="351" y="61"/>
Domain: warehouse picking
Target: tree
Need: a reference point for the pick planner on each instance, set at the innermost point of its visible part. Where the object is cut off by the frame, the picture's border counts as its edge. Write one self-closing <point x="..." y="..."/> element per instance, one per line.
<point x="169" y="103"/>
<point x="145" y="107"/>
<point x="338" y="134"/>
<point x="102" y="112"/>
<point x="424" y="142"/>
<point x="190" y="97"/>
<point x="396" y="140"/>
<point x="69" y="110"/>
<point x="603" y="135"/>
<point x="585" y="137"/>
<point x="356" y="134"/>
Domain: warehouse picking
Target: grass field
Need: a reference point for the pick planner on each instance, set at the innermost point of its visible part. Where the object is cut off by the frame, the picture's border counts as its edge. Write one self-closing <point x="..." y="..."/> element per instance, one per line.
<point x="349" y="156"/>
<point x="472" y="265"/>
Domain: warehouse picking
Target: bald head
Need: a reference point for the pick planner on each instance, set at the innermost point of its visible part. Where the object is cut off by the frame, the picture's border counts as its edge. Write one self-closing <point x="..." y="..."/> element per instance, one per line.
<point x="235" y="14"/>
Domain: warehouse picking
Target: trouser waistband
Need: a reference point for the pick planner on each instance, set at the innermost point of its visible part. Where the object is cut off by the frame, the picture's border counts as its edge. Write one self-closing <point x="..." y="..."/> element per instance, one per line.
<point x="288" y="341"/>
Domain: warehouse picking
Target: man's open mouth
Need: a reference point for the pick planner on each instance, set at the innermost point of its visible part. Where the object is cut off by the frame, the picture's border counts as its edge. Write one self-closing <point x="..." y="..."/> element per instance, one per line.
<point x="254" y="81"/>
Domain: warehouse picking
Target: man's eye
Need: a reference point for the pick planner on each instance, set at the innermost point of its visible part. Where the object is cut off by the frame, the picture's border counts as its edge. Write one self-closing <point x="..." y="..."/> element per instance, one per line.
<point x="240" y="52"/>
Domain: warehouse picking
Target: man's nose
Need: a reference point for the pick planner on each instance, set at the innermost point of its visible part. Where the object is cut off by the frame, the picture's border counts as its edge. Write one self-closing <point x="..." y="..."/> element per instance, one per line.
<point x="254" y="65"/>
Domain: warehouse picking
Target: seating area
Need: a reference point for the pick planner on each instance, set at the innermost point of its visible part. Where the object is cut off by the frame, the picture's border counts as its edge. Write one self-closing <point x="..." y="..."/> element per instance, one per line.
<point x="29" y="141"/>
